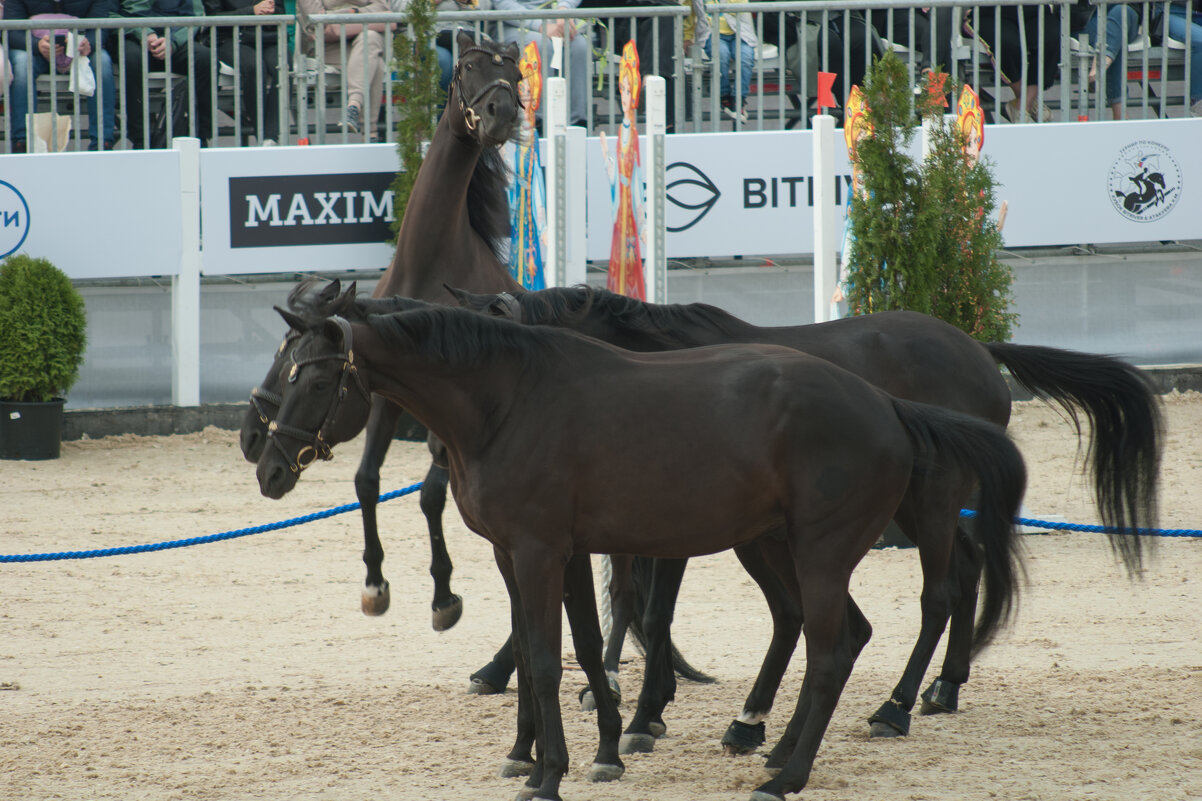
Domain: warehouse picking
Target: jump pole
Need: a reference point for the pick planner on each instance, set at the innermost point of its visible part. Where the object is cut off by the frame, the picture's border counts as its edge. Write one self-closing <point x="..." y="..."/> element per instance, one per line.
<point x="825" y="268"/>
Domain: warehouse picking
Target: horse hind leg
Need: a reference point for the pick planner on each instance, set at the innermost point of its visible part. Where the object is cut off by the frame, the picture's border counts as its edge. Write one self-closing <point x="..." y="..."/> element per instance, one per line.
<point x="943" y="695"/>
<point x="747" y="732"/>
<point x="934" y="531"/>
<point x="621" y="605"/>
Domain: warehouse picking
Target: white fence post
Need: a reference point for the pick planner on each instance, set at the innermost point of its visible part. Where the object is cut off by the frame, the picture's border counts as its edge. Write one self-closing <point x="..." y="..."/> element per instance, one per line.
<point x="185" y="287"/>
<point x="655" y="264"/>
<point x="825" y="273"/>
<point x="576" y="187"/>
<point x="556" y="125"/>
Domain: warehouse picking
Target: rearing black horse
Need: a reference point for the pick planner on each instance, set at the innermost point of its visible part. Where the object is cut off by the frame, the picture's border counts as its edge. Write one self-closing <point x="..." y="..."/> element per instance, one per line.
<point x="911" y="356"/>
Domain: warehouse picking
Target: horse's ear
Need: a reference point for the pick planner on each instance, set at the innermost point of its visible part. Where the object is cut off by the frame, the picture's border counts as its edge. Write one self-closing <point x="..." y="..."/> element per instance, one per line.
<point x="464" y="40"/>
<point x="459" y="294"/>
<point x="295" y="321"/>
<point x="333" y="330"/>
<point x="346" y="300"/>
<point x="512" y="51"/>
<point x="330" y="291"/>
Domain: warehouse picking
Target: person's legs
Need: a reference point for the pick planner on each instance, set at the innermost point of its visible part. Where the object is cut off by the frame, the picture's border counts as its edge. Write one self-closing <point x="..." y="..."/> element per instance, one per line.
<point x="131" y="79"/>
<point x="580" y="51"/>
<point x="365" y="83"/>
<point x="107" y="87"/>
<point x="726" y="46"/>
<point x="201" y="88"/>
<point x="446" y="67"/>
<point x="1184" y="30"/>
<point x="747" y="65"/>
<point x="1112" y="61"/>
<point x="26" y="67"/>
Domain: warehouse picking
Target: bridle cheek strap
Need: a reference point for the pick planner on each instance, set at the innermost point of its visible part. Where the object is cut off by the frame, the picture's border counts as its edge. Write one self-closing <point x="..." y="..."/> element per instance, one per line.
<point x="470" y="118"/>
<point x="316" y="446"/>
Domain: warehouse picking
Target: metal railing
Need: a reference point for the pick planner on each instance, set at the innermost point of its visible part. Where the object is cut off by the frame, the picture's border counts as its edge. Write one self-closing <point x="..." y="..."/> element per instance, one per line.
<point x="796" y="40"/>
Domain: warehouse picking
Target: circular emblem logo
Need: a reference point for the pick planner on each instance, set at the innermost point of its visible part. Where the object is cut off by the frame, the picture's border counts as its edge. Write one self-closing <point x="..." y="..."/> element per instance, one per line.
<point x="14" y="219"/>
<point x="1144" y="181"/>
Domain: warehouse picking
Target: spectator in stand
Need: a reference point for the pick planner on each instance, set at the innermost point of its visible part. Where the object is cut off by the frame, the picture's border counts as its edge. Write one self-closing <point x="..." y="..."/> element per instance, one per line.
<point x="1004" y="44"/>
<point x="1113" y="62"/>
<point x="736" y="33"/>
<point x="101" y="122"/>
<point x="930" y="36"/>
<point x="167" y="48"/>
<point x="364" y="79"/>
<point x="250" y="55"/>
<point x="576" y="47"/>
<point x="1189" y="31"/>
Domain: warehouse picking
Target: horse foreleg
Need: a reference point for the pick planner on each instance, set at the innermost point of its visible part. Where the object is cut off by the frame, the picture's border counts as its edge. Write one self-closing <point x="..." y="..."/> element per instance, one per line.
<point x="659" y="678"/>
<point x="494" y="677"/>
<point x="944" y="693"/>
<point x="446" y="606"/>
<point x="580" y="602"/>
<point x="768" y="562"/>
<point x="381" y="426"/>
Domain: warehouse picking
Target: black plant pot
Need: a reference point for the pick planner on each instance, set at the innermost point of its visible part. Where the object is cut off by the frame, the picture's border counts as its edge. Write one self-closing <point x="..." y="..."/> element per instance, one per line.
<point x="31" y="430"/>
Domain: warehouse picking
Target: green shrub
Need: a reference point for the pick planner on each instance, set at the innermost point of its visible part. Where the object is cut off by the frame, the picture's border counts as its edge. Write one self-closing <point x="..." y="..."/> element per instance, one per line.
<point x="43" y="330"/>
<point x="924" y="237"/>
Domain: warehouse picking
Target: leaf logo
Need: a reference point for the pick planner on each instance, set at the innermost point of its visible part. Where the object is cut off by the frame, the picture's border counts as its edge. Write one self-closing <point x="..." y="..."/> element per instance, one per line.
<point x="692" y="192"/>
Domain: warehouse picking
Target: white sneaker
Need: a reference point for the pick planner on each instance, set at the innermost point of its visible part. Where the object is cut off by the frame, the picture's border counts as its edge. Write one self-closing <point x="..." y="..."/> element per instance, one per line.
<point x="268" y="143"/>
<point x="1196" y="109"/>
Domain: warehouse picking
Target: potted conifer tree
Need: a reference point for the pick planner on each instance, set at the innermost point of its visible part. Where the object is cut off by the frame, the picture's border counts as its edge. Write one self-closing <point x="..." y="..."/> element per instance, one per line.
<point x="43" y="331"/>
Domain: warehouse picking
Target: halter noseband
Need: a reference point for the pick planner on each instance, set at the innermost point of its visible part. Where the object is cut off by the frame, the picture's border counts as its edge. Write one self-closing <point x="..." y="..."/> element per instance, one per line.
<point x="316" y="447"/>
<point x="470" y="117"/>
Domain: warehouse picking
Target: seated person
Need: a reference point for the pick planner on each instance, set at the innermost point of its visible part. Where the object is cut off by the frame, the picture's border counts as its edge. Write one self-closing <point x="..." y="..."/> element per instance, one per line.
<point x="576" y="45"/>
<point x="253" y="53"/>
<point x="1085" y="17"/>
<point x="444" y="41"/>
<point x="1184" y="29"/>
<point x="736" y="33"/>
<point x="364" y="79"/>
<point x="101" y="122"/>
<point x="166" y="49"/>
<point x="1002" y="34"/>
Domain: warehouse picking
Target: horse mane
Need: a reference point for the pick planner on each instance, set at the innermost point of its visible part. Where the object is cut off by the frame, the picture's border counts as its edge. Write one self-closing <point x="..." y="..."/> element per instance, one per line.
<point x="668" y="324"/>
<point x="488" y="200"/>
<point x="463" y="339"/>
<point x="306" y="300"/>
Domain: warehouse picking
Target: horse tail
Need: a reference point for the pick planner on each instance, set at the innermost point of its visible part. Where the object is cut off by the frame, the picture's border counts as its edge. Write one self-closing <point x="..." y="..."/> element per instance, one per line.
<point x="943" y="439"/>
<point x="1126" y="428"/>
<point x="640" y="576"/>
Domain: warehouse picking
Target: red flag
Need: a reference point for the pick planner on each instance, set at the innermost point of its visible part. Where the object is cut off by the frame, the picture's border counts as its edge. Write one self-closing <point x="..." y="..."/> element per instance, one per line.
<point x="826" y="99"/>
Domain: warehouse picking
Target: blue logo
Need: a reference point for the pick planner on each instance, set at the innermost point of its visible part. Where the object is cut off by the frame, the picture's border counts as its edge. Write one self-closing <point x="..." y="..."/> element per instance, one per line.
<point x="14" y="219"/>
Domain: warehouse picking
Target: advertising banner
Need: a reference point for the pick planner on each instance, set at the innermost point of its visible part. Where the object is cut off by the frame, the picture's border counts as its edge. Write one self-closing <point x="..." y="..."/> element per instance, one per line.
<point x="110" y="215"/>
<point x="284" y="209"/>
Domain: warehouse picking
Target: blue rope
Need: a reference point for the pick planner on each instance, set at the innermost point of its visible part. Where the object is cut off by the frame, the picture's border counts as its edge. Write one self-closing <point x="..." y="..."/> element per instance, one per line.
<point x="228" y="535"/>
<point x="1054" y="526"/>
<point x="388" y="496"/>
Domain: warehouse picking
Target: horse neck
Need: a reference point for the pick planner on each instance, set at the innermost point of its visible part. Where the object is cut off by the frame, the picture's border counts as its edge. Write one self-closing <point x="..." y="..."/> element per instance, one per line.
<point x="464" y="408"/>
<point x="437" y="244"/>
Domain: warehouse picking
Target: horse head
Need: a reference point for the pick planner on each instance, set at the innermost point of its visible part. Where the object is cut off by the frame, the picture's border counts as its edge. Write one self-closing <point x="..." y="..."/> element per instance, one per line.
<point x="306" y="298"/>
<point x="324" y="400"/>
<point x="484" y="90"/>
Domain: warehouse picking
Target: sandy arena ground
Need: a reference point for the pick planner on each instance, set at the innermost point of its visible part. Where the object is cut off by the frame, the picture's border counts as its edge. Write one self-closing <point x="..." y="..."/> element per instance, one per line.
<point x="244" y="669"/>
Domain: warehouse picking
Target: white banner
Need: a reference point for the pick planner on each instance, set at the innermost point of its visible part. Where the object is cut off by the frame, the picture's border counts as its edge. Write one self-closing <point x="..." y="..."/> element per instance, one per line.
<point x="108" y="215"/>
<point x="284" y="209"/>
<point x="750" y="194"/>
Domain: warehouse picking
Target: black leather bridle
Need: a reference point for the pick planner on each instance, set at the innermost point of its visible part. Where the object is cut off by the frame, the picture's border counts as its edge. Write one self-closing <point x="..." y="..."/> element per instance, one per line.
<point x="315" y="446"/>
<point x="470" y="117"/>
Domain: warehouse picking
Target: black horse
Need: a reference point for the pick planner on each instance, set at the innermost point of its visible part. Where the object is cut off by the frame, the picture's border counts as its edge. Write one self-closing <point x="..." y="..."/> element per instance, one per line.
<point x="912" y="356"/>
<point x="778" y="443"/>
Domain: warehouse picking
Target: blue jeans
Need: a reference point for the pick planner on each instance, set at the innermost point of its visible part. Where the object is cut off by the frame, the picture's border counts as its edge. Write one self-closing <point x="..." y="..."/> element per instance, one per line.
<point x="23" y="62"/>
<point x="1114" y="45"/>
<point x="446" y="68"/>
<point x="726" y="51"/>
<point x="1190" y="31"/>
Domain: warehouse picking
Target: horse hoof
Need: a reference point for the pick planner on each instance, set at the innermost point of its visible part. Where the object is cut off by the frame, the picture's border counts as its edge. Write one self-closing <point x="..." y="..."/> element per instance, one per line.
<point x="447" y="616"/>
<point x="657" y="728"/>
<point x="605" y="773"/>
<point x="891" y="720"/>
<point x="636" y="744"/>
<point x="764" y="795"/>
<point x="882" y="731"/>
<point x="941" y="697"/>
<point x="741" y="738"/>
<point x="374" y="601"/>
<point x="481" y="687"/>
<point x="514" y="768"/>
<point x="587" y="702"/>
